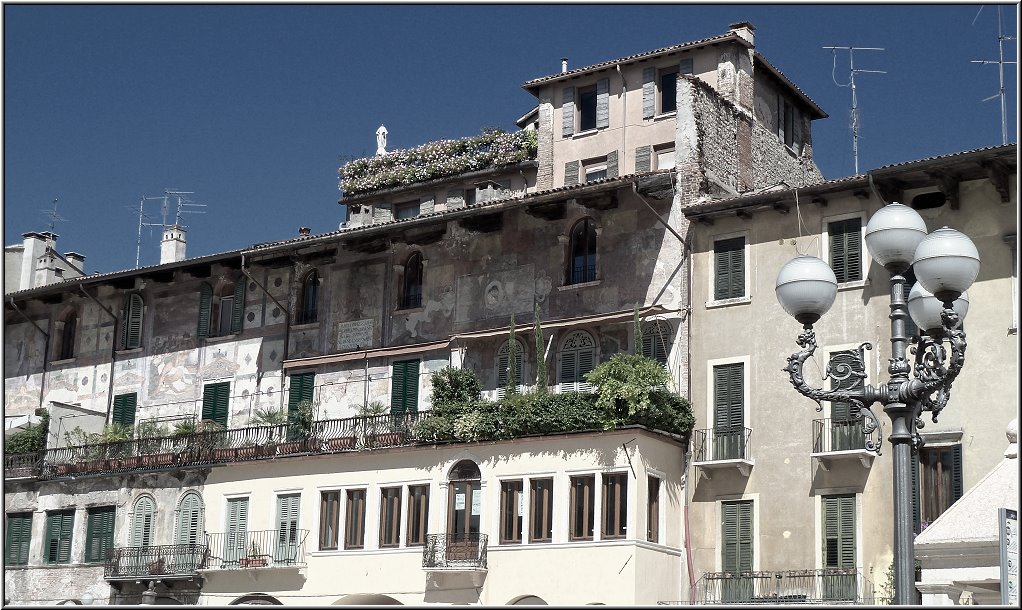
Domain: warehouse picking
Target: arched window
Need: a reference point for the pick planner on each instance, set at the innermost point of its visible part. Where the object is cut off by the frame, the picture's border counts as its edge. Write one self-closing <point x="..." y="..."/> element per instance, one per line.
<point x="578" y="357"/>
<point x="143" y="521"/>
<point x="582" y="250"/>
<point x="188" y="529"/>
<point x="131" y="322"/>
<point x="464" y="508"/>
<point x="221" y="310"/>
<point x="504" y="366"/>
<point x="411" y="295"/>
<point x="68" y="329"/>
<point x="656" y="340"/>
<point x="308" y="298"/>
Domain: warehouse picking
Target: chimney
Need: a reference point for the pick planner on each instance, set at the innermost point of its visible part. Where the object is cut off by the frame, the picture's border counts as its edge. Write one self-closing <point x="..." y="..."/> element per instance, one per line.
<point x="46" y="271"/>
<point x="172" y="248"/>
<point x="745" y="30"/>
<point x="304" y="231"/>
<point x="78" y="260"/>
<point x="564" y="65"/>
<point x="35" y="245"/>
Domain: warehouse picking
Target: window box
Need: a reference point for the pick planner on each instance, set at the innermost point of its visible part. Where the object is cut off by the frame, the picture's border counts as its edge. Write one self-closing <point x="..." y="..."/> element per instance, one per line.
<point x="341" y="443"/>
<point x="259" y="561"/>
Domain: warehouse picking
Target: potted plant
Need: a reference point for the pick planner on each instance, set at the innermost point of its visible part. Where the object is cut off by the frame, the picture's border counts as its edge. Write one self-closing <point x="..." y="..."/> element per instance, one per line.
<point x="158" y="567"/>
<point x="301" y="437"/>
<point x="274" y="420"/>
<point x="380" y="430"/>
<point x="255" y="557"/>
<point x="117" y="438"/>
<point x="151" y="446"/>
<point x="210" y="439"/>
<point x="184" y="437"/>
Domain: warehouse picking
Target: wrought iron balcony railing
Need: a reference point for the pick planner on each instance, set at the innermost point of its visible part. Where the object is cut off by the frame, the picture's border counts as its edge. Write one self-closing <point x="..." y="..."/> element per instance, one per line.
<point x="715" y="444"/>
<point x="453" y="552"/>
<point x="830" y="435"/>
<point x="280" y="548"/>
<point x="234" y="445"/>
<point x="165" y="561"/>
<point x="826" y="586"/>
<point x="23" y="465"/>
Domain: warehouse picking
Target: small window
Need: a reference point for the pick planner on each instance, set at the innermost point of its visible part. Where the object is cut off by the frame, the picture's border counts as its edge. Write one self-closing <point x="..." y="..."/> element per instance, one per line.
<point x="595" y="169"/>
<point x="615" y="505"/>
<point x="123" y="411"/>
<point x="404" y="387"/>
<point x="728" y="268"/>
<point x="99" y="536"/>
<point x="541" y="510"/>
<point x="926" y="201"/>
<point x="940" y="480"/>
<point x="582" y="249"/>
<point x="68" y="332"/>
<point x="665" y="158"/>
<point x="789" y="125"/>
<point x="216" y="402"/>
<point x="668" y="90"/>
<point x="355" y="519"/>
<point x="59" y="532"/>
<point x="653" y="510"/>
<point x="656" y="340"/>
<point x="411" y="295"/>
<point x="470" y="196"/>
<point x="19" y="539"/>
<point x="512" y="510"/>
<point x="418" y="514"/>
<point x="587" y="108"/>
<point x="390" y="516"/>
<point x="583" y="513"/>
<point x="329" y="515"/>
<point x="408" y="209"/>
<point x="846" y="249"/>
<point x="131" y="322"/>
<point x="307" y="311"/>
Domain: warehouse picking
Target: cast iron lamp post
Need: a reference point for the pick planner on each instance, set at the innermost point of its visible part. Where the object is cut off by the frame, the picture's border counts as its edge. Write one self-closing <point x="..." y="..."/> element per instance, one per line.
<point x="946" y="263"/>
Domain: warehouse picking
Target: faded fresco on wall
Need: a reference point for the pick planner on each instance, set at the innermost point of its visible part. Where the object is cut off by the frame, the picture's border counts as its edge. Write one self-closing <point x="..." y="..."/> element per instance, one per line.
<point x="172" y="375"/>
<point x="496" y="294"/>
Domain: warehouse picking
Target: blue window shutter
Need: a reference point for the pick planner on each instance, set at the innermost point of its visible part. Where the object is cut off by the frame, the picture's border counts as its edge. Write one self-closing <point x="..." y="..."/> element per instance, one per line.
<point x="603" y="103"/>
<point x="648" y="93"/>
<point x="612" y="168"/>
<point x="205" y="306"/>
<point x="568" y="112"/>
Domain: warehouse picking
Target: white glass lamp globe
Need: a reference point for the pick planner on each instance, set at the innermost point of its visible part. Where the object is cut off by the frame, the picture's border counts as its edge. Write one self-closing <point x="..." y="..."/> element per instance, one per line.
<point x="946" y="263"/>
<point x="925" y="308"/>
<point x="806" y="288"/>
<point x="892" y="235"/>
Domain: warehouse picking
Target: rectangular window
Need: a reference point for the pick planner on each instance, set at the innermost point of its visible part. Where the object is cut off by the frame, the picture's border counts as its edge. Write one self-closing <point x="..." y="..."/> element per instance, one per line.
<point x="839" y="546"/>
<point x="404" y="387"/>
<point x="541" y="510"/>
<point x="729" y="411"/>
<point x="846" y="249"/>
<point x="665" y="158"/>
<point x="512" y="510"/>
<point x="729" y="268"/>
<point x="408" y="209"/>
<point x="470" y="196"/>
<point x="123" y="411"/>
<point x="846" y="431"/>
<point x="418" y="514"/>
<point x="653" y="510"/>
<point x="215" y="401"/>
<point x="595" y="169"/>
<point x="355" y="519"/>
<point x="582" y="507"/>
<point x="301" y="389"/>
<point x="19" y="539"/>
<point x="225" y="316"/>
<point x="736" y="536"/>
<point x="668" y="90"/>
<point x="615" y="505"/>
<point x="236" y="542"/>
<point x="329" y="519"/>
<point x="99" y="534"/>
<point x="59" y="530"/>
<point x="288" y="511"/>
<point x="390" y="516"/>
<point x="587" y="108"/>
<point x="940" y="480"/>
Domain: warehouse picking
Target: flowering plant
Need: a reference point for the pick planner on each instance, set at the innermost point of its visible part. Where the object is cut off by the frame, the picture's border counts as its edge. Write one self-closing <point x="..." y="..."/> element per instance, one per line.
<point x="493" y="148"/>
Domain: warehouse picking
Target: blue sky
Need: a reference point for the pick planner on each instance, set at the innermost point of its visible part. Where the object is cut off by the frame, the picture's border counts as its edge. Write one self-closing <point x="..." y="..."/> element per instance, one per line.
<point x="253" y="108"/>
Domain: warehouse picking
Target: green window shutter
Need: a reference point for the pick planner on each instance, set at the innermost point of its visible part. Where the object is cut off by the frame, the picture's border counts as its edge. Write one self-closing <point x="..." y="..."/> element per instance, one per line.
<point x="19" y="538"/>
<point x="568" y="112"/>
<point x="236" y="543"/>
<point x="586" y="363"/>
<point x="571" y="169"/>
<point x="568" y="371"/>
<point x="839" y="531"/>
<point x="189" y="520"/>
<point x="99" y="536"/>
<point x="287" y="525"/>
<point x="655" y="337"/>
<point x="729" y="268"/>
<point x="205" y="307"/>
<point x="648" y="93"/>
<point x="642" y="159"/>
<point x="503" y="364"/>
<point x="59" y="532"/>
<point x="839" y="363"/>
<point x="142" y="522"/>
<point x="729" y="396"/>
<point x="124" y="409"/>
<point x="404" y="389"/>
<point x="303" y="387"/>
<point x="846" y="249"/>
<point x="603" y="103"/>
<point x="131" y="322"/>
<point x="237" y="315"/>
<point x="612" y="164"/>
<point x="737" y="536"/>
<point x="215" y="402"/>
<point x="956" y="473"/>
<point x="685" y="66"/>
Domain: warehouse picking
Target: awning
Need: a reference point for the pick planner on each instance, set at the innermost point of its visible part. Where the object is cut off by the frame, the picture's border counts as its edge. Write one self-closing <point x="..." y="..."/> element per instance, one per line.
<point x="379" y="352"/>
<point x="620" y="316"/>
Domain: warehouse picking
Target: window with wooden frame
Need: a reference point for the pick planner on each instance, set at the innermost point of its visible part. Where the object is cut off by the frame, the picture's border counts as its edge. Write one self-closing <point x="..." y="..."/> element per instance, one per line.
<point x="595" y="169"/>
<point x="307" y="311"/>
<point x="845" y="238"/>
<point x="728" y="268"/>
<point x="736" y="536"/>
<point x="221" y="311"/>
<point x="123" y="409"/>
<point x="355" y="519"/>
<point x="99" y="533"/>
<point x="577" y="358"/>
<point x="582" y="252"/>
<point x="465" y="502"/>
<point x="131" y="322"/>
<point x="18" y="540"/>
<point x="68" y="330"/>
<point x="668" y="81"/>
<point x="729" y="411"/>
<point x="615" y="505"/>
<point x="512" y="512"/>
<point x="216" y="402"/>
<point x="653" y="509"/>
<point x="329" y="519"/>
<point x="541" y="510"/>
<point x="418" y="514"/>
<point x="59" y="532"/>
<point x="937" y="482"/>
<point x="582" y="507"/>
<point x="390" y="517"/>
<point x="404" y="387"/>
<point x="188" y="529"/>
<point x="587" y="108"/>
<point x="411" y="289"/>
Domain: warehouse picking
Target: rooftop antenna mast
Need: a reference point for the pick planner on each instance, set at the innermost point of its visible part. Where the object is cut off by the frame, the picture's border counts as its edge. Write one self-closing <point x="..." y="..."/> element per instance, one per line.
<point x="855" y="104"/>
<point x="142" y="215"/>
<point x="1000" y="70"/>
<point x="182" y="202"/>
<point x="53" y="216"/>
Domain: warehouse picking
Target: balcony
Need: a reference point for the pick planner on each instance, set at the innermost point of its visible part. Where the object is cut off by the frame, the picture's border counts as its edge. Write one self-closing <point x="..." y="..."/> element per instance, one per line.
<point x="826" y="586"/>
<point x="226" y="446"/>
<point x="23" y="465"/>
<point x="284" y="548"/>
<point x="454" y="553"/>
<point x="715" y="449"/>
<point x="167" y="562"/>
<point x="840" y="440"/>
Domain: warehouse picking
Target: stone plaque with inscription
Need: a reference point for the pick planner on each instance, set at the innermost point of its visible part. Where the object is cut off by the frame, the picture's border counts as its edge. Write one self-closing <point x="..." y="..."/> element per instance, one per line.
<point x="357" y="334"/>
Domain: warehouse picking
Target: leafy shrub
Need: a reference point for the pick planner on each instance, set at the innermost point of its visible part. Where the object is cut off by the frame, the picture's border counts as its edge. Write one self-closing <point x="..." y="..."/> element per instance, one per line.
<point x="269" y="417"/>
<point x="632" y="388"/>
<point x="29" y="440"/>
<point x="453" y="389"/>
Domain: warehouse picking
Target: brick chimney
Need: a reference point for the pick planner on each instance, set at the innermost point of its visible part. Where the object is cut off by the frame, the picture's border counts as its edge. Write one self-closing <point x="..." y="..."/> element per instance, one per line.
<point x="745" y="30"/>
<point x="172" y="248"/>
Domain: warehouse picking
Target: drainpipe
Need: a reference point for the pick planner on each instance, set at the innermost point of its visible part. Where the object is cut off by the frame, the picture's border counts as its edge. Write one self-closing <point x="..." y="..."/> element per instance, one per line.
<point x="287" y="322"/>
<point x="624" y="118"/>
<point x="113" y="349"/>
<point x="46" y="348"/>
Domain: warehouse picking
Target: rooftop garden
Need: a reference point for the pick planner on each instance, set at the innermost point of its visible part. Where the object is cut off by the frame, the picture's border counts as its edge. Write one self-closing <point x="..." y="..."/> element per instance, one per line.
<point x="433" y="160"/>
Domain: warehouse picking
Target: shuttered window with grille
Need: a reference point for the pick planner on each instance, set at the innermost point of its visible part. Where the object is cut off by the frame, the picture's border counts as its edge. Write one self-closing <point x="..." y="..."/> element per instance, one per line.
<point x="188" y="529"/>
<point x="737" y="536"/>
<point x="846" y="249"/>
<point x="59" y="532"/>
<point x="18" y="539"/>
<point x="578" y="357"/>
<point x="729" y="268"/>
<point x="216" y="402"/>
<point x="404" y="387"/>
<point x="123" y="411"/>
<point x="99" y="533"/>
<point x="729" y="411"/>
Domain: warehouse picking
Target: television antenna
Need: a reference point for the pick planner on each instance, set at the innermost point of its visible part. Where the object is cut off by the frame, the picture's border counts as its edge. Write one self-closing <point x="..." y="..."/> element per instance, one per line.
<point x="53" y="216"/>
<point x="1000" y="71"/>
<point x="851" y="82"/>
<point x="165" y="199"/>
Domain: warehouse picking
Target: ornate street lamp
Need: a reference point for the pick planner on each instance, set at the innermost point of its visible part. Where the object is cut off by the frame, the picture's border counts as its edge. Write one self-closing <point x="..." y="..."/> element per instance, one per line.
<point x="945" y="263"/>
